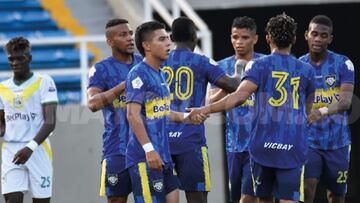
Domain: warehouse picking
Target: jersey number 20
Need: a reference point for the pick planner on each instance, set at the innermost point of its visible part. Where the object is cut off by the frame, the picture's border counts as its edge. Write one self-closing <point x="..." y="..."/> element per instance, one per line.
<point x="295" y="82"/>
<point x="180" y="72"/>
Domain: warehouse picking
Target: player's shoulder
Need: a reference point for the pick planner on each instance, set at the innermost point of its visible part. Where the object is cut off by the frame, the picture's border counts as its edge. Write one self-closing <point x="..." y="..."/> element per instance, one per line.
<point x="226" y="60"/>
<point x="339" y="57"/>
<point x="138" y="57"/>
<point x="140" y="68"/>
<point x="6" y="82"/>
<point x="305" y="58"/>
<point x="43" y="76"/>
<point x="258" y="55"/>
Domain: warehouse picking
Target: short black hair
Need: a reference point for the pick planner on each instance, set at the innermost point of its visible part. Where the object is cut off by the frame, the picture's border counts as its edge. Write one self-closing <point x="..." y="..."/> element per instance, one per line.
<point x="144" y="32"/>
<point x="114" y="22"/>
<point x="282" y="29"/>
<point x="244" y="22"/>
<point x="18" y="44"/>
<point x="183" y="30"/>
<point x="322" y="20"/>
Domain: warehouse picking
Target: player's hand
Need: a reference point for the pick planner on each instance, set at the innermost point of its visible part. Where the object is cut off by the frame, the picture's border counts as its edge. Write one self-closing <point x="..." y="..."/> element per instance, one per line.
<point x="200" y="112"/>
<point x="22" y="156"/>
<point x="154" y="161"/>
<point x="315" y="115"/>
<point x="198" y="118"/>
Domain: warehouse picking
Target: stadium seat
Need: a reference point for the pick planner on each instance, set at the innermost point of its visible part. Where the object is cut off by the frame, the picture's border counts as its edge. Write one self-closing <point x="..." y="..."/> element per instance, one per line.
<point x="29" y="19"/>
<point x="26" y="20"/>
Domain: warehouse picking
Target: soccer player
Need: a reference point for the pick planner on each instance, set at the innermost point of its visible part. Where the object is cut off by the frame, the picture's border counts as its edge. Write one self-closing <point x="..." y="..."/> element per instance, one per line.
<point x="28" y="104"/>
<point x="239" y="120"/>
<point x="148" y="111"/>
<point x="284" y="91"/>
<point x="329" y="138"/>
<point x="106" y="91"/>
<point x="188" y="75"/>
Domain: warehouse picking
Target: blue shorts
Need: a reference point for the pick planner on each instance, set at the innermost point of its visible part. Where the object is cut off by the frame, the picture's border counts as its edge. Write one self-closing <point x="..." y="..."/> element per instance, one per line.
<point x="115" y="178"/>
<point x="152" y="186"/>
<point x="239" y="175"/>
<point x="193" y="170"/>
<point x="331" y="166"/>
<point x="285" y="184"/>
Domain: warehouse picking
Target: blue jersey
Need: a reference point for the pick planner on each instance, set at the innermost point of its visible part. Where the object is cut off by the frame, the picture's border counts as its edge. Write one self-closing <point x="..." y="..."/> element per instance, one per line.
<point x="105" y="75"/>
<point x="279" y="137"/>
<point x="146" y="86"/>
<point x="188" y="75"/>
<point x="239" y="120"/>
<point x="331" y="132"/>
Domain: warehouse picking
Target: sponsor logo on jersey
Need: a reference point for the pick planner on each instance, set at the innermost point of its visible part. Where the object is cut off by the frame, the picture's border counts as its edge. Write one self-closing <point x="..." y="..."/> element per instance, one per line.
<point x="21" y="116"/>
<point x="158" y="185"/>
<point x="52" y="89"/>
<point x="330" y="80"/>
<point x="175" y="134"/>
<point x="326" y="97"/>
<point x="120" y="102"/>
<point x="278" y="146"/>
<point x="112" y="179"/>
<point x="157" y="108"/>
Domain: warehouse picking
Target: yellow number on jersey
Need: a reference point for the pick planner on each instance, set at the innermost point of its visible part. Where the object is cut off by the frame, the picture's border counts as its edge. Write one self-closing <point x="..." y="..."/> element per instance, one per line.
<point x="279" y="86"/>
<point x="183" y="70"/>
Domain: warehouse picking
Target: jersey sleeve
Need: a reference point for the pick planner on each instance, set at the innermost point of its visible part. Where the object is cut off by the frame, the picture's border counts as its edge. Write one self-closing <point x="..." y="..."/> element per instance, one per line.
<point x="252" y="72"/>
<point x="222" y="66"/>
<point x="347" y="72"/>
<point x="213" y="71"/>
<point x="48" y="92"/>
<point x="135" y="87"/>
<point x="95" y="78"/>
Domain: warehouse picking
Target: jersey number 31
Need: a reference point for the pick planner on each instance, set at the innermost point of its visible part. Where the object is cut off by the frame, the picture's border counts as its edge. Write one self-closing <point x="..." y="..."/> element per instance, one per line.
<point x="294" y="82"/>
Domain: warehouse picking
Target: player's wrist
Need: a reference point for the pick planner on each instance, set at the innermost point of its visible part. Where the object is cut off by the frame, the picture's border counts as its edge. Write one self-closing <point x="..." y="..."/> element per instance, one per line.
<point x="32" y="145"/>
<point x="324" y="111"/>
<point x="148" y="147"/>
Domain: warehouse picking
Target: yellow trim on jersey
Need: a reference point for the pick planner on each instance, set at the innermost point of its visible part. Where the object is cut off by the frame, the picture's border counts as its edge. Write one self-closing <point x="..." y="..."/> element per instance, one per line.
<point x="47" y="149"/>
<point x="206" y="169"/>
<point x="322" y="97"/>
<point x="302" y="183"/>
<point x="102" y="178"/>
<point x="10" y="96"/>
<point x="162" y="106"/>
<point x="144" y="183"/>
<point x="3" y="145"/>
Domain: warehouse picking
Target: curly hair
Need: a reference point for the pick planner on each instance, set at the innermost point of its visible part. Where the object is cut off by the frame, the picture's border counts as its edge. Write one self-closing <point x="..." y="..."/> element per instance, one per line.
<point x="282" y="29"/>
<point x="244" y="22"/>
<point x="17" y="44"/>
<point x="144" y="32"/>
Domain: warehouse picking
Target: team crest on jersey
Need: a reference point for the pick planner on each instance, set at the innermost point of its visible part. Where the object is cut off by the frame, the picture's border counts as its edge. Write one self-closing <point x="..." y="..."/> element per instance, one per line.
<point x="158" y="185"/>
<point x="18" y="101"/>
<point x="330" y="80"/>
<point x="112" y="179"/>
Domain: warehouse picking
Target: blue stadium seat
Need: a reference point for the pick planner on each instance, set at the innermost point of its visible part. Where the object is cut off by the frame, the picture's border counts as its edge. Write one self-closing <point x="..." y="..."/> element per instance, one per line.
<point x="5" y="35"/>
<point x="50" y="58"/>
<point x="26" y="20"/>
<point x="9" y="5"/>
